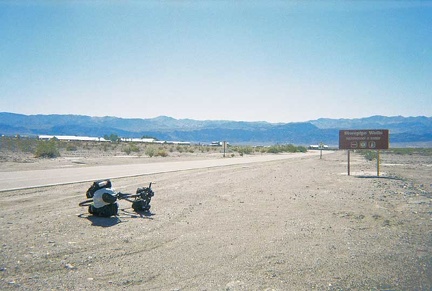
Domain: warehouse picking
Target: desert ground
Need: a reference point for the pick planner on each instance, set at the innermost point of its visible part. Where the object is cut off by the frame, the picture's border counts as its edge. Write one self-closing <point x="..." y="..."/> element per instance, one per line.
<point x="294" y="224"/>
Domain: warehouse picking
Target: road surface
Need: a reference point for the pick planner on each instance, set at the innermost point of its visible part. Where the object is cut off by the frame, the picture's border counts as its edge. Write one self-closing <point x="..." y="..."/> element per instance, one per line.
<point x="40" y="178"/>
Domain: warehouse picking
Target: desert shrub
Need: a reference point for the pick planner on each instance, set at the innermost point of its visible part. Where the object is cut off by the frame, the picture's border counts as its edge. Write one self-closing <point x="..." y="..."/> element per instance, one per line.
<point x="47" y="149"/>
<point x="273" y="149"/>
<point x="301" y="149"/>
<point x="162" y="153"/>
<point x="71" y="148"/>
<point x="150" y="151"/>
<point x="412" y="151"/>
<point x="403" y="151"/>
<point x="288" y="148"/>
<point x="6" y="143"/>
<point x="18" y="144"/>
<point x="127" y="150"/>
<point x="131" y="148"/>
<point x="26" y="145"/>
<point x="106" y="146"/>
<point x="134" y="148"/>
<point x="247" y="150"/>
<point x="369" y="155"/>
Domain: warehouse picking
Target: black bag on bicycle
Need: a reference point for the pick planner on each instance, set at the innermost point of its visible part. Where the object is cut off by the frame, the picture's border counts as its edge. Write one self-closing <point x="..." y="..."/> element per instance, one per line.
<point x="143" y="202"/>
<point x="106" y="183"/>
<point x="104" y="211"/>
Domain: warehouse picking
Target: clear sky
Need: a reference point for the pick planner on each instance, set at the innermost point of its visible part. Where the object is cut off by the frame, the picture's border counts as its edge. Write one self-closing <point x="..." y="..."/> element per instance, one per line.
<point x="275" y="61"/>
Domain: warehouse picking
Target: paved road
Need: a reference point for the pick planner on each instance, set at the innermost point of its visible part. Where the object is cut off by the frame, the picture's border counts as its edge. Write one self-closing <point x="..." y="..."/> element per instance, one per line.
<point x="40" y="178"/>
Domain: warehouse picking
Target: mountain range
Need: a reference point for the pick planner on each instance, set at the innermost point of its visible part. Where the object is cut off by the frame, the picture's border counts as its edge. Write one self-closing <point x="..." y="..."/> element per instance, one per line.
<point x="404" y="131"/>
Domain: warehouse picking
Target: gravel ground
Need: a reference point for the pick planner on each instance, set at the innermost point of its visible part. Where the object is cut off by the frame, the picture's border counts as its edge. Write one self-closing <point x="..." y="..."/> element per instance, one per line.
<point x="298" y="224"/>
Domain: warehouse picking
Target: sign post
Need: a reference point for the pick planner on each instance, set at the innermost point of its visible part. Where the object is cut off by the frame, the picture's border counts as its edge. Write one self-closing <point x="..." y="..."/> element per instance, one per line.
<point x="348" y="162"/>
<point x="364" y="139"/>
<point x="224" y="147"/>
<point x="378" y="163"/>
<point x="321" y="147"/>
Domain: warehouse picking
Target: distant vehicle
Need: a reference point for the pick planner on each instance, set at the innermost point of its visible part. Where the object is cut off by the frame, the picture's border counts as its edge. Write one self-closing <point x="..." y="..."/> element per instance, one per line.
<point x="218" y="143"/>
<point x="318" y="147"/>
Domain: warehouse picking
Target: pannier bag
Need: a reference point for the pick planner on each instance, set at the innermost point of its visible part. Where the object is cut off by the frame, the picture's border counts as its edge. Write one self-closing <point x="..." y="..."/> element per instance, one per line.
<point x="104" y="203"/>
<point x="143" y="203"/>
<point x="106" y="183"/>
<point x="104" y="211"/>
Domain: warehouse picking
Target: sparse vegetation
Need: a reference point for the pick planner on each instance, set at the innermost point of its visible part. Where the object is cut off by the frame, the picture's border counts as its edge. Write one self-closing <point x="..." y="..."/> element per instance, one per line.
<point x="57" y="147"/>
<point x="131" y="147"/>
<point x="150" y="151"/>
<point x="47" y="149"/>
<point x="106" y="147"/>
<point x="369" y="155"/>
<point x="180" y="148"/>
<point x="162" y="153"/>
<point x="18" y="144"/>
<point x="289" y="148"/>
<point x="71" y="148"/>
<point x="243" y="150"/>
<point x="412" y="151"/>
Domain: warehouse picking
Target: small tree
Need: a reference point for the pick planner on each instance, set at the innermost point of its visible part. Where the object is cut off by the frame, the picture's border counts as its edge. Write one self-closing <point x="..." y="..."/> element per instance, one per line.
<point x="112" y="137"/>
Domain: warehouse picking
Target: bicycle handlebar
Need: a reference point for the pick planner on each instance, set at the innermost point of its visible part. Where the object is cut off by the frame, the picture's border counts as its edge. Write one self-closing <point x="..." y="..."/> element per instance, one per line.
<point x="140" y="191"/>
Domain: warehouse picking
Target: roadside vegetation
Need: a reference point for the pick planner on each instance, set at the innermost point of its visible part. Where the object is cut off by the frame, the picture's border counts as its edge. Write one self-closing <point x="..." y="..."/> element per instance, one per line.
<point x="54" y="148"/>
<point x="47" y="149"/>
<point x="412" y="151"/>
<point x="371" y="155"/>
<point x="289" y="148"/>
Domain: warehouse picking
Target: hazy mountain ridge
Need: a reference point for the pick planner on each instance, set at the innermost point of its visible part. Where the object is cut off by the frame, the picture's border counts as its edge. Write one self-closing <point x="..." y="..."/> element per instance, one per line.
<point x="397" y="124"/>
<point x="402" y="129"/>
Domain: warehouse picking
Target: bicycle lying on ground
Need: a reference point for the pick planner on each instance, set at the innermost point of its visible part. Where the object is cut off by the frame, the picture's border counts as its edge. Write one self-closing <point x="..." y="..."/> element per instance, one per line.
<point x="101" y="192"/>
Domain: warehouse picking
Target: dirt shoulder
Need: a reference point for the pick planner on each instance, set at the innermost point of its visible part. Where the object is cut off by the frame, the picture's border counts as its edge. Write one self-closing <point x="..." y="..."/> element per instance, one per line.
<point x="297" y="224"/>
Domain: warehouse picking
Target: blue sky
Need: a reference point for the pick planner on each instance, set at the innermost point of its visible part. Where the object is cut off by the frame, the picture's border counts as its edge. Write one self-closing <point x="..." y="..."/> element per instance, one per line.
<point x="275" y="61"/>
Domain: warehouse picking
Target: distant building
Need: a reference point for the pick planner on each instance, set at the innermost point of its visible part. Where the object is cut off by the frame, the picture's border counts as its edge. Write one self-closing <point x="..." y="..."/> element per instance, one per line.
<point x="71" y="138"/>
<point x="145" y="140"/>
<point x="88" y="138"/>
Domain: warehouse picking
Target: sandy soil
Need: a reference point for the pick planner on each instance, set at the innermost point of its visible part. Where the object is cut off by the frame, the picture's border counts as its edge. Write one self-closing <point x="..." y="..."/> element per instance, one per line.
<point x="298" y="224"/>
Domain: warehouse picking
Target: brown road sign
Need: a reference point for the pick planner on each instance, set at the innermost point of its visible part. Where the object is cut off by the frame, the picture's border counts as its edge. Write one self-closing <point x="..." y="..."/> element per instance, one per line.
<point x="367" y="139"/>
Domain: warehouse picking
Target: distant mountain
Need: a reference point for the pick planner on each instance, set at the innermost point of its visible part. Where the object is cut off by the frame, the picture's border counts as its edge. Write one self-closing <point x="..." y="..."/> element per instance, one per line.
<point x="397" y="124"/>
<point x="403" y="130"/>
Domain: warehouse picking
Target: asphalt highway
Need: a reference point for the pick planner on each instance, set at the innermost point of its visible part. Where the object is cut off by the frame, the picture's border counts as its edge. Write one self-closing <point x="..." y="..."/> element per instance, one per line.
<point x="42" y="178"/>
